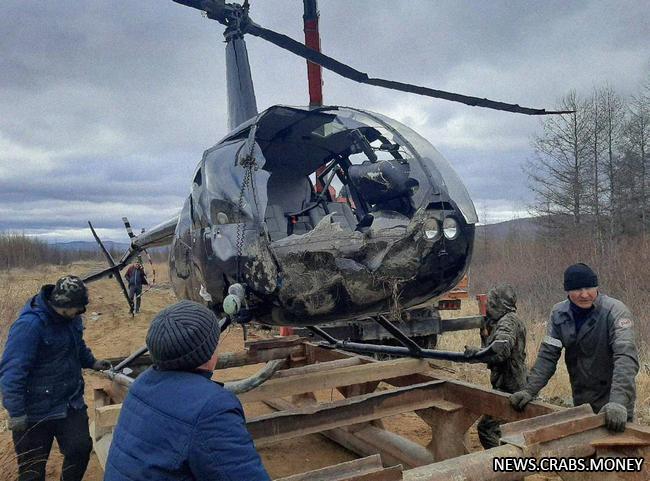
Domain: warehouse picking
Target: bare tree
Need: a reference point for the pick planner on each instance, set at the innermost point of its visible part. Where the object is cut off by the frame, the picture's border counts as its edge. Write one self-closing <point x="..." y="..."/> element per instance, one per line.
<point x="561" y="174"/>
<point x="612" y="109"/>
<point x="597" y="131"/>
<point x="636" y="137"/>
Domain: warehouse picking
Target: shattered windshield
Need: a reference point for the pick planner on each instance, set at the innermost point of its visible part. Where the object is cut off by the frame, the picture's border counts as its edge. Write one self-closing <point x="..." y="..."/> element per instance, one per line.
<point x="434" y="166"/>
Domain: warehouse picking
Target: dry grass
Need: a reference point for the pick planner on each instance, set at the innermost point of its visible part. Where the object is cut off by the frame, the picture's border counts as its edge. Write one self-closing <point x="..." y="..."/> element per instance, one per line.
<point x="113" y="332"/>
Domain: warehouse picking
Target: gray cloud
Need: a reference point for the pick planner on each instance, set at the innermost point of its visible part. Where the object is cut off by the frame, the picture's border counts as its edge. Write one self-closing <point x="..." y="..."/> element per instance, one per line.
<point x="107" y="106"/>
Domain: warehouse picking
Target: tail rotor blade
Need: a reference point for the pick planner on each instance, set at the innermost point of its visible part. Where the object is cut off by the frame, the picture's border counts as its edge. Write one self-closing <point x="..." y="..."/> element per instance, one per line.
<point x="114" y="268"/>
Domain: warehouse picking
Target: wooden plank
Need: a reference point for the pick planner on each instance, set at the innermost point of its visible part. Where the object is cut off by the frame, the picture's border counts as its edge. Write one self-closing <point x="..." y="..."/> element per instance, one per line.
<point x="563" y="429"/>
<point x="368" y="439"/>
<point x="100" y="399"/>
<point x="106" y="416"/>
<point x="339" y="471"/>
<point x="475" y="398"/>
<point x="318" y="418"/>
<point x="101" y="448"/>
<point x="393" y="473"/>
<point x="494" y="403"/>
<point x="315" y="353"/>
<point x="447" y="406"/>
<point x="318" y="367"/>
<point x="518" y="427"/>
<point x="316" y="381"/>
<point x="619" y="440"/>
<point x="273" y="343"/>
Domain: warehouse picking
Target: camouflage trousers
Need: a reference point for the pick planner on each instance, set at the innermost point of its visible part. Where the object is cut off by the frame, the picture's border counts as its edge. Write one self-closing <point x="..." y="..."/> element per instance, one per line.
<point x="489" y="431"/>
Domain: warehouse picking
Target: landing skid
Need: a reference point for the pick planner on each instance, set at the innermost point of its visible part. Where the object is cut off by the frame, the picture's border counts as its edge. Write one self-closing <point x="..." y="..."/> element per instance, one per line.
<point x="409" y="347"/>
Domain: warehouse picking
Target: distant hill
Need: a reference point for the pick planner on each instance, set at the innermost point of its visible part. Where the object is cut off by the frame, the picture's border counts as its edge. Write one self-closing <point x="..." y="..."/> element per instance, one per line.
<point x="526" y="228"/>
<point x="89" y="246"/>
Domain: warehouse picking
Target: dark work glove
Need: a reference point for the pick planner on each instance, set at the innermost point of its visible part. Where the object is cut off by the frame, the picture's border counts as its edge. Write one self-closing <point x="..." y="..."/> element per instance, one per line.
<point x="519" y="400"/>
<point x="471" y="351"/>
<point x="102" y="365"/>
<point x="615" y="416"/>
<point x="18" y="423"/>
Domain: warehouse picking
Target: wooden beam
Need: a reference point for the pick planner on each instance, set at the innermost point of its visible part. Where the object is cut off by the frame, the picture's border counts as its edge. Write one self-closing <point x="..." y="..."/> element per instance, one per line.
<point x="339" y="471"/>
<point x="368" y="439"/>
<point x="315" y="419"/>
<point x="316" y="353"/>
<point x="106" y="416"/>
<point x="273" y="343"/>
<point x="316" y="381"/>
<point x="517" y="427"/>
<point x="393" y="473"/>
<point x="101" y="399"/>
<point x="318" y="367"/>
<point x="563" y="429"/>
<point x="494" y="403"/>
<point x="475" y="466"/>
<point x="101" y="448"/>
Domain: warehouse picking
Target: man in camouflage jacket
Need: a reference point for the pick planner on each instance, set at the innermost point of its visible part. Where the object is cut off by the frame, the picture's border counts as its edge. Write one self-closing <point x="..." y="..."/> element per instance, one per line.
<point x="508" y="364"/>
<point x="597" y="333"/>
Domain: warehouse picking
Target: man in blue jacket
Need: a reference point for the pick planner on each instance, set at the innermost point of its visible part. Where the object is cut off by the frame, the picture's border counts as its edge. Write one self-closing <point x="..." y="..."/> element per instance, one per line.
<point x="42" y="384"/>
<point x="175" y="423"/>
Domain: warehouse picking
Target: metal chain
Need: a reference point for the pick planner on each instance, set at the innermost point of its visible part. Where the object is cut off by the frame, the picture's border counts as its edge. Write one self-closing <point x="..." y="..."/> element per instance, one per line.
<point x="249" y="165"/>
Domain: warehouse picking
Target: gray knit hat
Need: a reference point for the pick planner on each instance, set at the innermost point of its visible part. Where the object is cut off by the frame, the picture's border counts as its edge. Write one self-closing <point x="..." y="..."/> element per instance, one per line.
<point x="69" y="291"/>
<point x="183" y="336"/>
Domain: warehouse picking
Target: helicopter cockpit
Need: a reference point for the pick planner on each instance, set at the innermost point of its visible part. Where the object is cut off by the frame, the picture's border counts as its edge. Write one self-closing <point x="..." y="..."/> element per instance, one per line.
<point x="358" y="166"/>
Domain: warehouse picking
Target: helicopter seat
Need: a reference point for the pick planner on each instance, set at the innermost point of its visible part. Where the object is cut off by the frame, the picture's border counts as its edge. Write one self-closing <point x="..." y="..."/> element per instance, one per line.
<point x="342" y="214"/>
<point x="287" y="195"/>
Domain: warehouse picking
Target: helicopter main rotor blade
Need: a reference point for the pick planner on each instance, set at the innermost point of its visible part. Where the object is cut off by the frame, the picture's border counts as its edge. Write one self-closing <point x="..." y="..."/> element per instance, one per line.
<point x="346" y="71"/>
<point x="234" y="14"/>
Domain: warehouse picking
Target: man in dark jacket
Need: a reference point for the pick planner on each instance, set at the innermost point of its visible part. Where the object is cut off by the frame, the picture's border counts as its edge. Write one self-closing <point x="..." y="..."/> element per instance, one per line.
<point x="136" y="278"/>
<point x="42" y="384"/>
<point x="508" y="364"/>
<point x="597" y="333"/>
<point x="175" y="423"/>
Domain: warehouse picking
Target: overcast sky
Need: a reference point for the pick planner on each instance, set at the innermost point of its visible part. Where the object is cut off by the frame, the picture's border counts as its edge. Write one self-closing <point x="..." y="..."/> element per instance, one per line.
<point x="106" y="106"/>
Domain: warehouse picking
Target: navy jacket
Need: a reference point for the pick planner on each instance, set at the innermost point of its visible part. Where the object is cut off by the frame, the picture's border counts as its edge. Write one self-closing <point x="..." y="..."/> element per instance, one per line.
<point x="40" y="371"/>
<point x="178" y="425"/>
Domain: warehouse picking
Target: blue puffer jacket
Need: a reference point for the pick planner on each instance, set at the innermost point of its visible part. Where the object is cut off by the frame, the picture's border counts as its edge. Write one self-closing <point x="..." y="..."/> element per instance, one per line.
<point x="177" y="425"/>
<point x="40" y="371"/>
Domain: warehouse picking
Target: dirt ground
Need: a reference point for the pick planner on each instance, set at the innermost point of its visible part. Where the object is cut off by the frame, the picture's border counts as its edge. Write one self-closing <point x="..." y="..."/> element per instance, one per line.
<point x="111" y="332"/>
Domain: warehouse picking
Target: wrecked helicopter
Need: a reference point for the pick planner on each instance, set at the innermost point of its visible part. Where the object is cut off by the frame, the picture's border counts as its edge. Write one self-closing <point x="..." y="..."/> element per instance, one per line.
<point x="301" y="216"/>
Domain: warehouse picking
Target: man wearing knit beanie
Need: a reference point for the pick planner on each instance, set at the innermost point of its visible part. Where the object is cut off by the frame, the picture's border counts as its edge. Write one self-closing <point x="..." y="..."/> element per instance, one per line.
<point x="597" y="332"/>
<point x="42" y="383"/>
<point x="197" y="427"/>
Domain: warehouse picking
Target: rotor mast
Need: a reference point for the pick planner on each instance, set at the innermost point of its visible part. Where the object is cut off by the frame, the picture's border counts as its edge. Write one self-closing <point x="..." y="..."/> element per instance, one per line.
<point x="312" y="41"/>
<point x="242" y="104"/>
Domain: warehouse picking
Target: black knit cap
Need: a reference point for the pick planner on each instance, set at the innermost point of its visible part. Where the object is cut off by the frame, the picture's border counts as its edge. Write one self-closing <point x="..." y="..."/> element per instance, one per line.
<point x="69" y="291"/>
<point x="578" y="276"/>
<point x="183" y="336"/>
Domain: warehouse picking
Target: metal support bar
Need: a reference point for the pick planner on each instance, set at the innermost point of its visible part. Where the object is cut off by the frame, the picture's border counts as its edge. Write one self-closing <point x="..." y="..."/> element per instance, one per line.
<point x="399" y="335"/>
<point x="126" y="361"/>
<point x="361" y="348"/>
<point x="323" y="334"/>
